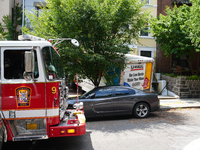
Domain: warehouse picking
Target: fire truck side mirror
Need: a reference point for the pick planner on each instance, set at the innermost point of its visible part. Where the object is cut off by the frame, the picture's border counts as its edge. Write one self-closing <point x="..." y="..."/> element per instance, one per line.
<point x="29" y="65"/>
<point x="75" y="42"/>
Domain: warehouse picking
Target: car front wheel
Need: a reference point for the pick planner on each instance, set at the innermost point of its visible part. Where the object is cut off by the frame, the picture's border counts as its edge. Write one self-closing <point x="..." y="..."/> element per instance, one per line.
<point x="141" y="110"/>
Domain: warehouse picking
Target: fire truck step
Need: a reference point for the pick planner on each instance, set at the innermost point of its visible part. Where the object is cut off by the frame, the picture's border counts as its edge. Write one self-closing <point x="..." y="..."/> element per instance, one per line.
<point x="30" y="138"/>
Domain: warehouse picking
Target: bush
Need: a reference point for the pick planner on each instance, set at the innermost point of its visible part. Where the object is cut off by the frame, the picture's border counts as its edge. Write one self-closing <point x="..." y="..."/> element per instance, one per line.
<point x="169" y="74"/>
<point x="194" y="77"/>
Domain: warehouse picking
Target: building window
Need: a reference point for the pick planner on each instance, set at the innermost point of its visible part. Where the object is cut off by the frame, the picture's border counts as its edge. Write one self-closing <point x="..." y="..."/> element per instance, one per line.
<point x="146" y="53"/>
<point x="145" y="1"/>
<point x="38" y="6"/>
<point x="180" y="61"/>
<point x="144" y="31"/>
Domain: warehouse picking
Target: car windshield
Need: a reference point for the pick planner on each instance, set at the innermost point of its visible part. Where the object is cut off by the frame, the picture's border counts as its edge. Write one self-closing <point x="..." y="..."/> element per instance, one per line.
<point x="88" y="93"/>
<point x="52" y="62"/>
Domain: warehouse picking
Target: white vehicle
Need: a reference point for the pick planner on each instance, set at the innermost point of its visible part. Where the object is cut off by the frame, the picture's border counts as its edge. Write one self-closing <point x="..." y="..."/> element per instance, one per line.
<point x="138" y="74"/>
<point x="34" y="95"/>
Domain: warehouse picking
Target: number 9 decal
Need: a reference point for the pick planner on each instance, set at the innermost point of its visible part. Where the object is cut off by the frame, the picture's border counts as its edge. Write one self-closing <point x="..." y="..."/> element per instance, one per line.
<point x="53" y="89"/>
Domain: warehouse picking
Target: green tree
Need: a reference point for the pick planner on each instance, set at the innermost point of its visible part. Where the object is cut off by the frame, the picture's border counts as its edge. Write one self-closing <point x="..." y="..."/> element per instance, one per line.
<point x="12" y="23"/>
<point x="171" y="32"/>
<point x="2" y="33"/>
<point x="193" y="22"/>
<point x="103" y="28"/>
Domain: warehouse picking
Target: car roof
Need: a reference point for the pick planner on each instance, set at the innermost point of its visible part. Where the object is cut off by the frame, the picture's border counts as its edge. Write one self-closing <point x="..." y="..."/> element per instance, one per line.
<point x="119" y="86"/>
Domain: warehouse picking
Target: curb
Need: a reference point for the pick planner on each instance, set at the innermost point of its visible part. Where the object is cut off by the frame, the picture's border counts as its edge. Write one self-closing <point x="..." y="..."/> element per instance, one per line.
<point x="178" y="107"/>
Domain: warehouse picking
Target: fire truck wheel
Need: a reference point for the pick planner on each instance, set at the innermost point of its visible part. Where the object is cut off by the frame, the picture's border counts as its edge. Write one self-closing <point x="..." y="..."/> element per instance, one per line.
<point x="2" y="143"/>
<point x="141" y="110"/>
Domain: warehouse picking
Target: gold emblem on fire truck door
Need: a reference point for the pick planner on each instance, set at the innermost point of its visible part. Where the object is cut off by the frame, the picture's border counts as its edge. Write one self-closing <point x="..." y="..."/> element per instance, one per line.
<point x="23" y="95"/>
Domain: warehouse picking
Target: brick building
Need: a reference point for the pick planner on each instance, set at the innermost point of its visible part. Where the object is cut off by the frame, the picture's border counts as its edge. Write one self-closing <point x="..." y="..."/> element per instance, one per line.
<point x="165" y="64"/>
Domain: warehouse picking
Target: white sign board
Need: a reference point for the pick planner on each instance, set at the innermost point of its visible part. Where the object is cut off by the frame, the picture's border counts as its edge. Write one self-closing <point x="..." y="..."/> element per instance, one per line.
<point x="134" y="75"/>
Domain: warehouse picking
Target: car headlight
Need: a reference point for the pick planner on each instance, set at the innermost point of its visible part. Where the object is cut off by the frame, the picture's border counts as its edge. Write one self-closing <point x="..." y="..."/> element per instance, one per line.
<point x="78" y="105"/>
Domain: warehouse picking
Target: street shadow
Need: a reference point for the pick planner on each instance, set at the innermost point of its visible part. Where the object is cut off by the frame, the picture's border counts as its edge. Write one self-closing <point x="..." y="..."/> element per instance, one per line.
<point x="62" y="143"/>
<point x="108" y="118"/>
<point x="159" y="119"/>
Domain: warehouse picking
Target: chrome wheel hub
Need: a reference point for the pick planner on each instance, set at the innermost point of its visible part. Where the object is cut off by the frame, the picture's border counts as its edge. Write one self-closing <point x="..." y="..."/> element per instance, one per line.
<point x="142" y="110"/>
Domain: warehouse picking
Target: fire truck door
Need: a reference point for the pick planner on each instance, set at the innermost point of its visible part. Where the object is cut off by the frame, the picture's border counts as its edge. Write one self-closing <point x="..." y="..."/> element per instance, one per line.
<point x="23" y="102"/>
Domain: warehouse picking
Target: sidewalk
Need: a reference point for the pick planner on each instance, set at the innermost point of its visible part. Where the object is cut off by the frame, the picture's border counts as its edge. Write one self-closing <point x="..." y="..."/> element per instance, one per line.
<point x="167" y="102"/>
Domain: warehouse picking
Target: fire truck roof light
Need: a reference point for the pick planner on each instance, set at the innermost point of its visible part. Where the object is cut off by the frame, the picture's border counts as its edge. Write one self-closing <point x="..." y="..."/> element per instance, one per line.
<point x="28" y="37"/>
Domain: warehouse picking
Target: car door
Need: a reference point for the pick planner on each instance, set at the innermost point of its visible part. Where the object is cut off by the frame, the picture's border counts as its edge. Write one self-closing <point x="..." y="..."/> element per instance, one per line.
<point x="123" y="100"/>
<point x="100" y="103"/>
<point x="25" y="98"/>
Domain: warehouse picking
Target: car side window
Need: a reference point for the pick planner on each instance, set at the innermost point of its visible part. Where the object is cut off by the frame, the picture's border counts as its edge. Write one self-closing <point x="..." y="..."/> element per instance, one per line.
<point x="123" y="91"/>
<point x="104" y="92"/>
<point x="131" y="91"/>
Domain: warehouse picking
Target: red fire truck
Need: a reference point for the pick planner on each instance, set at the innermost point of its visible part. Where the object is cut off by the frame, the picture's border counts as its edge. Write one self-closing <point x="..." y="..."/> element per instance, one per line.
<point x="33" y="93"/>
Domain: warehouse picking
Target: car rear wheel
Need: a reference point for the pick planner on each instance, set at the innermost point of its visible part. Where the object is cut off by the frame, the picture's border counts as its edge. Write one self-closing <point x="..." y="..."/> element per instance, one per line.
<point x="141" y="110"/>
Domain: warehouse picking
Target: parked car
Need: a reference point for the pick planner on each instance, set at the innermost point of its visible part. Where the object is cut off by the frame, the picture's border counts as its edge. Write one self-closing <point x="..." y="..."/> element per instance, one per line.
<point x="117" y="100"/>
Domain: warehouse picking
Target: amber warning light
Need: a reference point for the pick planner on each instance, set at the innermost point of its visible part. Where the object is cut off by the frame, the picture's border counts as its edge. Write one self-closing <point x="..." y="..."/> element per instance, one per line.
<point x="68" y="131"/>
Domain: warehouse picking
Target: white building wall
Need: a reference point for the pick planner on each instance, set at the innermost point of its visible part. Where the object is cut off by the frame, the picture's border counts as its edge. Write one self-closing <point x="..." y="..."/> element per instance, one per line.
<point x="6" y="7"/>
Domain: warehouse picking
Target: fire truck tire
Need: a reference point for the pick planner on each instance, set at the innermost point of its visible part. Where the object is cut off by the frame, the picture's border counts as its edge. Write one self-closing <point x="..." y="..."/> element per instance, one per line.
<point x="5" y="135"/>
<point x="4" y="139"/>
<point x="2" y="143"/>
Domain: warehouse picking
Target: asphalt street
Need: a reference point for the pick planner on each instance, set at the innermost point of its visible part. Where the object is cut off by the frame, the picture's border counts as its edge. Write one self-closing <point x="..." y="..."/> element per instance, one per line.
<point x="173" y="127"/>
<point x="163" y="130"/>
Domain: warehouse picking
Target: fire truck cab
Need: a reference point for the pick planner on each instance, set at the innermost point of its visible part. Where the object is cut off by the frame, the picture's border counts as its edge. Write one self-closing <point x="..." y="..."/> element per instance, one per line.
<point x="33" y="93"/>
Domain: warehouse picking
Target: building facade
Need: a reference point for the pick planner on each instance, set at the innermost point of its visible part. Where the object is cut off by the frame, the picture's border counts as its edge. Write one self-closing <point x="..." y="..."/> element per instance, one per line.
<point x="6" y="8"/>
<point x="146" y="45"/>
<point x="166" y="64"/>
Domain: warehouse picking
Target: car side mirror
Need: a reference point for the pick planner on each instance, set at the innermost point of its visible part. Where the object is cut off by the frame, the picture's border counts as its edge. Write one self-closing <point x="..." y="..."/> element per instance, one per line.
<point x="29" y="61"/>
<point x="75" y="42"/>
<point x="29" y="65"/>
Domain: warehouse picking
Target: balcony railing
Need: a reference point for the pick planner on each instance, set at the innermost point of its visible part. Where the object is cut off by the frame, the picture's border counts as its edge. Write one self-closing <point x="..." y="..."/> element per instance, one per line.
<point x="181" y="2"/>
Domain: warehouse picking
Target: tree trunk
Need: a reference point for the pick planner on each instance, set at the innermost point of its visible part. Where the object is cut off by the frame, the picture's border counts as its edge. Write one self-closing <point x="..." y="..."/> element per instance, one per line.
<point x="197" y="69"/>
<point x="190" y="64"/>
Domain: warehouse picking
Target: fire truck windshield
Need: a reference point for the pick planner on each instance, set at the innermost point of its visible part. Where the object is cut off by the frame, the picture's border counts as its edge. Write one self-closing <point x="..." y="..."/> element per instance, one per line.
<point x="52" y="63"/>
